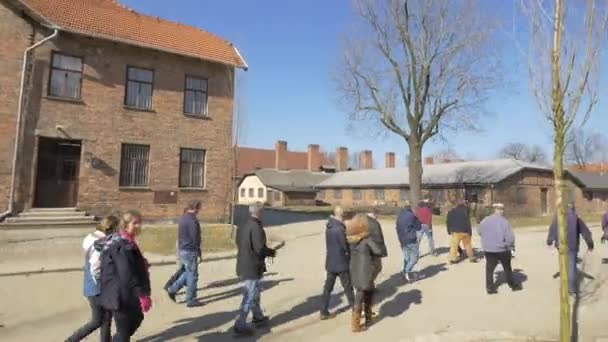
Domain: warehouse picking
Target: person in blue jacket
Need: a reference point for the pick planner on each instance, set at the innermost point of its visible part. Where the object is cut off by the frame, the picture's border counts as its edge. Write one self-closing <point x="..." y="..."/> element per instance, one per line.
<point x="408" y="227"/>
<point x="575" y="228"/>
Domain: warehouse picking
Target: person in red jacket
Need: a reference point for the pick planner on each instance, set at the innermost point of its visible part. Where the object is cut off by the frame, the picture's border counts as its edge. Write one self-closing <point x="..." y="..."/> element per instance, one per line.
<point x="425" y="216"/>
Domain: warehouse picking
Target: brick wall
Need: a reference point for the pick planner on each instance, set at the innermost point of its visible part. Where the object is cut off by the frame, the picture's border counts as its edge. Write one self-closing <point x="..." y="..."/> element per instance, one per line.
<point x="15" y="34"/>
<point x="102" y="123"/>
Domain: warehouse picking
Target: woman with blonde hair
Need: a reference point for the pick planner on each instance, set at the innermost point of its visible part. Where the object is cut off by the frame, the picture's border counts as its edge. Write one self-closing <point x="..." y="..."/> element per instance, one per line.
<point x="100" y="318"/>
<point x="362" y="252"/>
<point x="125" y="281"/>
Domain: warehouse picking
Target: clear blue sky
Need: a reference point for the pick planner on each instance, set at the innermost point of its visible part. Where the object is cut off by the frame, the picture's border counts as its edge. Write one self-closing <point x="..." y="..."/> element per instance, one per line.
<point x="287" y="94"/>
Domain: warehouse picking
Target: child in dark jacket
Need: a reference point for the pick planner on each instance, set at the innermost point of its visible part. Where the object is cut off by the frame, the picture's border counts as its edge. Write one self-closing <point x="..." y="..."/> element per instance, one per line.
<point x="100" y="318"/>
<point x="362" y="252"/>
<point x="125" y="281"/>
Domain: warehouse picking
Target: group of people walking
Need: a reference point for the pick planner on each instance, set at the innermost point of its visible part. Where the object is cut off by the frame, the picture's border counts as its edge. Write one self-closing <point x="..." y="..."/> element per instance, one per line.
<point x="117" y="279"/>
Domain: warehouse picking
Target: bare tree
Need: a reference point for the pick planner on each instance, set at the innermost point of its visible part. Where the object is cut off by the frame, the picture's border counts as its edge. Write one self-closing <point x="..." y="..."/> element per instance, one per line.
<point x="446" y="156"/>
<point x="417" y="68"/>
<point x="523" y="152"/>
<point x="585" y="147"/>
<point x="563" y="65"/>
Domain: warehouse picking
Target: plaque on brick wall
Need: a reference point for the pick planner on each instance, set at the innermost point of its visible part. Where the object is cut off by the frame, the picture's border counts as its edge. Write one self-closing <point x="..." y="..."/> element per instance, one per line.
<point x="165" y="197"/>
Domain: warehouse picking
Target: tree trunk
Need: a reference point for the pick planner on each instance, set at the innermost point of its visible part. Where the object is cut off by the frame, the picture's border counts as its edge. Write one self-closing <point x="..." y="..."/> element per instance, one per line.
<point x="559" y="126"/>
<point x="558" y="171"/>
<point x="415" y="171"/>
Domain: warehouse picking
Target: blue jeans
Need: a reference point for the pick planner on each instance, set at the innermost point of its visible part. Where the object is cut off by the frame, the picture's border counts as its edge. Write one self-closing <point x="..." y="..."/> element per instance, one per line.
<point x="572" y="272"/>
<point x="426" y="231"/>
<point x="189" y="277"/>
<point x="410" y="257"/>
<point x="251" y="302"/>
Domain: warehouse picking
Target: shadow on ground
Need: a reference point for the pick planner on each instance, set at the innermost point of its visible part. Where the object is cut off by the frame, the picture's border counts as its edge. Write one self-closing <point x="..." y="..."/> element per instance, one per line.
<point x="518" y="276"/>
<point x="187" y="327"/>
<point x="399" y="304"/>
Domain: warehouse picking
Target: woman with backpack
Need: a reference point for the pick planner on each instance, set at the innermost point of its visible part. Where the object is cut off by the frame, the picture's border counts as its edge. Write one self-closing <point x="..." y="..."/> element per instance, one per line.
<point x="100" y="318"/>
<point x="125" y="281"/>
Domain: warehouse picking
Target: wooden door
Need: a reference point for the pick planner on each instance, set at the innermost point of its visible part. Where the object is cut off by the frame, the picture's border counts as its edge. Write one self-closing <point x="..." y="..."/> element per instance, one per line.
<point x="543" y="201"/>
<point x="57" y="173"/>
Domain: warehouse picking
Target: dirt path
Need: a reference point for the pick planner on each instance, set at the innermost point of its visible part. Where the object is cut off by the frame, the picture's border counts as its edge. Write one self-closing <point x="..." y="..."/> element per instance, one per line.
<point x="450" y="304"/>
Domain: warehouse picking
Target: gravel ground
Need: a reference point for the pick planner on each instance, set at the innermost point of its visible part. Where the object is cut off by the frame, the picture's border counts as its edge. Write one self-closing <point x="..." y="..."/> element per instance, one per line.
<point x="450" y="304"/>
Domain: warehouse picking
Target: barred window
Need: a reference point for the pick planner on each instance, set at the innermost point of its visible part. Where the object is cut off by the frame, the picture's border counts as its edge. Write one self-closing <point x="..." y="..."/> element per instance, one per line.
<point x="192" y="168"/>
<point x="379" y="194"/>
<point x="357" y="194"/>
<point x="66" y="76"/>
<point x="139" y="88"/>
<point x="195" y="96"/>
<point x="134" y="165"/>
<point x="521" y="197"/>
<point x="404" y="195"/>
<point x="338" y="193"/>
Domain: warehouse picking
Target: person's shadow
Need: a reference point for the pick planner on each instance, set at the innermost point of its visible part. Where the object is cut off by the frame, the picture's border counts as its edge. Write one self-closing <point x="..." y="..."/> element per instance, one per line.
<point x="189" y="326"/>
<point x="518" y="276"/>
<point x="431" y="271"/>
<point x="400" y="304"/>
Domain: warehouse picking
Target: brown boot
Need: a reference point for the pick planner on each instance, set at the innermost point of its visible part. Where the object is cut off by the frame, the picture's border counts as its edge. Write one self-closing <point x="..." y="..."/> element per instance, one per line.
<point x="368" y="310"/>
<point x="356" y="320"/>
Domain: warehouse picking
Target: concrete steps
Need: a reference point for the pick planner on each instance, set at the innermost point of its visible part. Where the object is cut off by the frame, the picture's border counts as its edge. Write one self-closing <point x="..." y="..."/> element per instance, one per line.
<point x="51" y="218"/>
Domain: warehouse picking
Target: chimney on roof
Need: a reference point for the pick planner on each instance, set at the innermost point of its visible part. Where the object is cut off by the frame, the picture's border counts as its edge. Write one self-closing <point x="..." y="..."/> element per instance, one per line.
<point x="429" y="161"/>
<point x="280" y="155"/>
<point x="366" y="160"/>
<point x="314" y="157"/>
<point x="342" y="159"/>
<point x="389" y="160"/>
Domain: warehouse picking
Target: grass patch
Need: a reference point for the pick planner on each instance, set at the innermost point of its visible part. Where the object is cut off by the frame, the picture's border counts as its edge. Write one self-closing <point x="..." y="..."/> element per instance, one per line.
<point x="161" y="240"/>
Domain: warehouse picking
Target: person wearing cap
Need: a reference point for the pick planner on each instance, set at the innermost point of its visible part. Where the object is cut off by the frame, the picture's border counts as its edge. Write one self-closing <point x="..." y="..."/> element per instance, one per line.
<point x="189" y="250"/>
<point x="575" y="229"/>
<point x="497" y="241"/>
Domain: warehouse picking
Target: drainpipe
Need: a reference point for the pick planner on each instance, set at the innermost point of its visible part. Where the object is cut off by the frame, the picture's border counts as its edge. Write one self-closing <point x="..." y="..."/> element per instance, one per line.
<point x="18" y="126"/>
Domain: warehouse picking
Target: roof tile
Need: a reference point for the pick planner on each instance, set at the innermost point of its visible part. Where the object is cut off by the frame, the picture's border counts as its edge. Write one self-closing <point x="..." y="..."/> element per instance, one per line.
<point x="109" y="19"/>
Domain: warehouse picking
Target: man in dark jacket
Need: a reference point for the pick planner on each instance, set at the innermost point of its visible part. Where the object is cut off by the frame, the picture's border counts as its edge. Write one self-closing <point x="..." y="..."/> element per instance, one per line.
<point x="336" y="261"/>
<point x="459" y="228"/>
<point x="376" y="235"/>
<point x="408" y="227"/>
<point x="605" y="227"/>
<point x="189" y="250"/>
<point x="250" y="267"/>
<point x="576" y="228"/>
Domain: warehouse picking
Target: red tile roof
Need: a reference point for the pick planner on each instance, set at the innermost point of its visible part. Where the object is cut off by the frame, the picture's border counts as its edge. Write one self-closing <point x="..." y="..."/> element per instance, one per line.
<point x="250" y="159"/>
<point x="110" y="20"/>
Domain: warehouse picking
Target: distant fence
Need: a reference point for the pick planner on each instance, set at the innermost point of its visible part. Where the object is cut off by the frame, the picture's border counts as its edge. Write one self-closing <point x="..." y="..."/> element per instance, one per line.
<point x="276" y="217"/>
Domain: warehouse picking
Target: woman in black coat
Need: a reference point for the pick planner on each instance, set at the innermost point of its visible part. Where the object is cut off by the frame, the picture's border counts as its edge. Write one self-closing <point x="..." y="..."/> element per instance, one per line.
<point x="125" y="280"/>
<point x="362" y="253"/>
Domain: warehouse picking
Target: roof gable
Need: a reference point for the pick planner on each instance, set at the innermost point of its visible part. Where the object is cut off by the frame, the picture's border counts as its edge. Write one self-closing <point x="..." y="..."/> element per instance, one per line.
<point x="107" y="19"/>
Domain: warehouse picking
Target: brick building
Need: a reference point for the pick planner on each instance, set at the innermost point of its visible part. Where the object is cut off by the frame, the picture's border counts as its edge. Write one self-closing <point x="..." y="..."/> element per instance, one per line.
<point x="119" y="110"/>
<point x="524" y="188"/>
